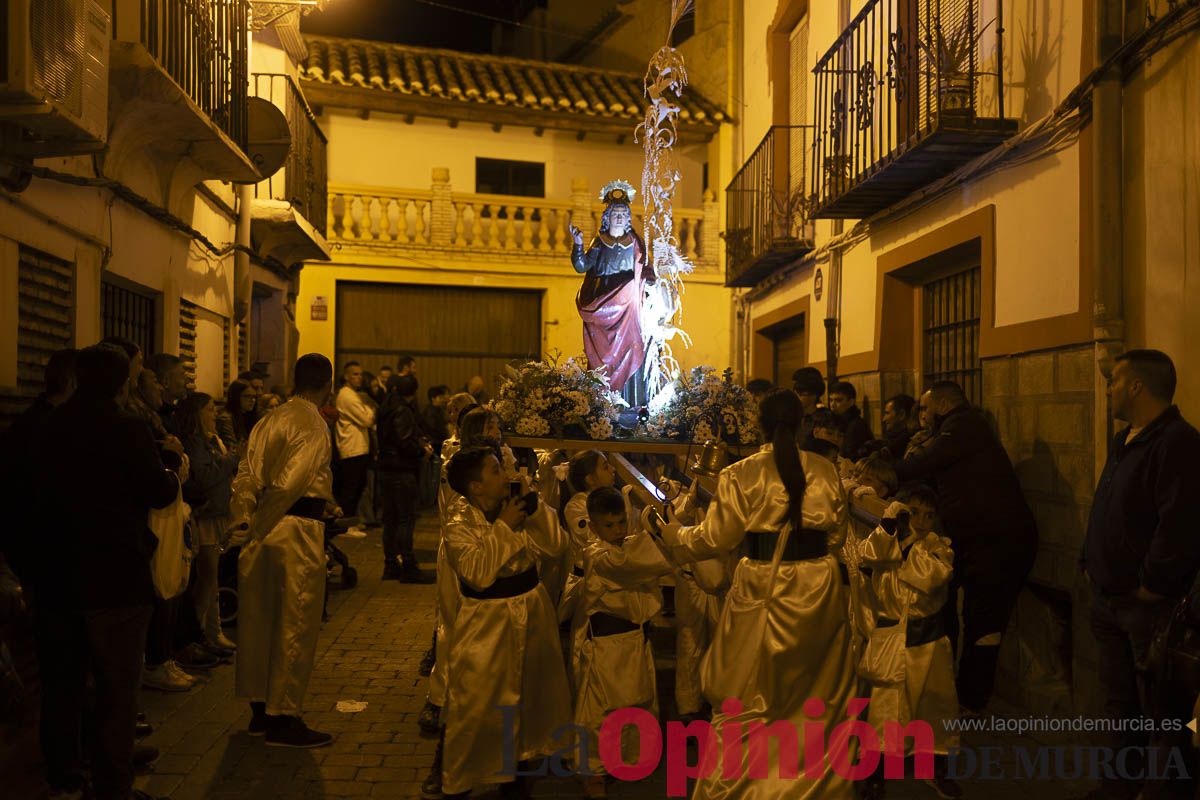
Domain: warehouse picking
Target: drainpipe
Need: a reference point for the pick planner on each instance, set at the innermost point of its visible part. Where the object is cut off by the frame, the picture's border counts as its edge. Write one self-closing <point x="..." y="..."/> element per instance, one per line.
<point x="242" y="284"/>
<point x="1107" y="267"/>
<point x="833" y="308"/>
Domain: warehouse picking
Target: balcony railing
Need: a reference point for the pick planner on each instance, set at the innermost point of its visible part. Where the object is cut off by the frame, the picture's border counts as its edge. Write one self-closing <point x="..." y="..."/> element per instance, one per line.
<point x="303" y="179"/>
<point x="903" y="97"/>
<point x="766" y="209"/>
<point x="202" y="45"/>
<point x="499" y="225"/>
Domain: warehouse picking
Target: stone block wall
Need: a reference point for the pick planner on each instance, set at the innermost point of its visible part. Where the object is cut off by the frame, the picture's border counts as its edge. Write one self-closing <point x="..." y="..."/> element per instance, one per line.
<point x="1043" y="406"/>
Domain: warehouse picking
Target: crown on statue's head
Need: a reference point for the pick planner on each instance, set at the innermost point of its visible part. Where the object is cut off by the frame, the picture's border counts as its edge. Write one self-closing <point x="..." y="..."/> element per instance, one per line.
<point x="617" y="192"/>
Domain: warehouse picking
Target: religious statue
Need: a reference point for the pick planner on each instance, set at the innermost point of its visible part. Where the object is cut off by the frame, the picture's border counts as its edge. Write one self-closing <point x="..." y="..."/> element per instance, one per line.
<point x="610" y="299"/>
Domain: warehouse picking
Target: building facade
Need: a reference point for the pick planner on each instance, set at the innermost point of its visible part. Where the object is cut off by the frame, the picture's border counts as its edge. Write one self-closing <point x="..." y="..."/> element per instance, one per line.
<point x="454" y="180"/>
<point x="1009" y="209"/>
<point x="177" y="209"/>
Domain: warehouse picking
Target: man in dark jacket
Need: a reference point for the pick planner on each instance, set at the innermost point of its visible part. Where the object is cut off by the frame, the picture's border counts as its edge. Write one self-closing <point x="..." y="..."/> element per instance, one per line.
<point x="402" y="448"/>
<point x="57" y="632"/>
<point x="899" y="423"/>
<point x="1142" y="552"/>
<point x="842" y="399"/>
<point x="100" y="473"/>
<point x="809" y="386"/>
<point x="990" y="524"/>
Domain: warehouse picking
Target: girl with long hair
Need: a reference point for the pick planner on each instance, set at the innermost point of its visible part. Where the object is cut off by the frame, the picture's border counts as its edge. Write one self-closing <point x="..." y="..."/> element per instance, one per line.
<point x="784" y="634"/>
<point x="208" y="490"/>
<point x="237" y="419"/>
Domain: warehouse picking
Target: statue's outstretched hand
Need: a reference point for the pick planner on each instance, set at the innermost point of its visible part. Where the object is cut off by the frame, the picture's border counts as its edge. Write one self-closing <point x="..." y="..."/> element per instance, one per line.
<point x="577" y="235"/>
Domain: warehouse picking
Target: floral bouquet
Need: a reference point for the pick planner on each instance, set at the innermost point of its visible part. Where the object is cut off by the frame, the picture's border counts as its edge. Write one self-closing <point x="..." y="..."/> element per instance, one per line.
<point x="542" y="398"/>
<point x="705" y="405"/>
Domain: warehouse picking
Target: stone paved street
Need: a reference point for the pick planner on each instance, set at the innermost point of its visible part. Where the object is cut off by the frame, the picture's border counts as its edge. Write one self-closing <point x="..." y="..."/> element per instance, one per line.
<point x="369" y="652"/>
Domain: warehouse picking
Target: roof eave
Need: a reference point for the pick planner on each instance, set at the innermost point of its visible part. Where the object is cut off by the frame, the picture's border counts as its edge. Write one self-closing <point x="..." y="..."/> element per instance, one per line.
<point x="360" y="98"/>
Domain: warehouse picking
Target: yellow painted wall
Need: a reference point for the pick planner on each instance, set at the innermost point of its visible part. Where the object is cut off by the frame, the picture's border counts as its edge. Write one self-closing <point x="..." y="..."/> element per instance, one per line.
<point x="385" y="151"/>
<point x="1162" y="213"/>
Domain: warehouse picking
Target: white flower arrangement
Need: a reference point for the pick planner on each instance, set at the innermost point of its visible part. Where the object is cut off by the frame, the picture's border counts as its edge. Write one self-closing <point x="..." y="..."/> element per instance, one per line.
<point x="553" y="397"/>
<point x="704" y="405"/>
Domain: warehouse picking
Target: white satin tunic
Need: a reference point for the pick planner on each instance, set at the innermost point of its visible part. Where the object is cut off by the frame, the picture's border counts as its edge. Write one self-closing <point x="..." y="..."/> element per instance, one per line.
<point x="281" y="570"/>
<point x="804" y="651"/>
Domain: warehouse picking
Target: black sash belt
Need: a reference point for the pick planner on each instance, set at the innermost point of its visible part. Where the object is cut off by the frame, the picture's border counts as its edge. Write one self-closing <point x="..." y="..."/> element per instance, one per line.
<point x="802" y="545"/>
<point x="309" y="508"/>
<point x="602" y="624"/>
<point x="922" y="630"/>
<point x="511" y="586"/>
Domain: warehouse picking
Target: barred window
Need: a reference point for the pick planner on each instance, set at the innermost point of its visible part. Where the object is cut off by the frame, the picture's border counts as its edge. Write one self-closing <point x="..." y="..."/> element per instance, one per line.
<point x="128" y="314"/>
<point x="952" y="309"/>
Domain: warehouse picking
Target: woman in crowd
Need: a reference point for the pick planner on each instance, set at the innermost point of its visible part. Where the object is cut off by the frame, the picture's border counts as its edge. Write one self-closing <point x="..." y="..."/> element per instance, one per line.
<point x="237" y="419"/>
<point x="783" y="636"/>
<point x="208" y="492"/>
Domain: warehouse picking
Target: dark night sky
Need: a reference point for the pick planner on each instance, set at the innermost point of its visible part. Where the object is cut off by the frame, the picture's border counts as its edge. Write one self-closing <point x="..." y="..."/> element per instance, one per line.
<point x="429" y="23"/>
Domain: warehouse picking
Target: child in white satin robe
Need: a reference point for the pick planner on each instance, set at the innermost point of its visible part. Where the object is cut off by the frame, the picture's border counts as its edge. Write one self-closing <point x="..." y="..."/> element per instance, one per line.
<point x="613" y="664"/>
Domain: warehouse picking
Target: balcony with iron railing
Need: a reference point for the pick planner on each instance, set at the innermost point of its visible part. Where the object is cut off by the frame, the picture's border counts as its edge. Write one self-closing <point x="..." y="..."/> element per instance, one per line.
<point x="180" y="74"/>
<point x="910" y="91"/>
<point x="291" y="205"/>
<point x="766" y="208"/>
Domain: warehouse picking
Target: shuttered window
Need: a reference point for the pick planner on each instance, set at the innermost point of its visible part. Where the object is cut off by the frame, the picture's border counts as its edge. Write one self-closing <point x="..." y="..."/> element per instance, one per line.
<point x="227" y="337"/>
<point x="45" y="324"/>
<point x="187" y="341"/>
<point x="243" y="345"/>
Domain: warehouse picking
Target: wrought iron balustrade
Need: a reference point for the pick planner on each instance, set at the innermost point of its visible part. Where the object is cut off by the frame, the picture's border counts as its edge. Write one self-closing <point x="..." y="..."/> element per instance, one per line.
<point x="766" y="218"/>
<point x="910" y="90"/>
<point x="303" y="181"/>
<point x="203" y="46"/>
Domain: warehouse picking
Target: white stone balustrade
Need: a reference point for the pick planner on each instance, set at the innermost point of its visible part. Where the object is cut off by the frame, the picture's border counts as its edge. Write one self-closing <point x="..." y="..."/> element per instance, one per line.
<point x="499" y="225"/>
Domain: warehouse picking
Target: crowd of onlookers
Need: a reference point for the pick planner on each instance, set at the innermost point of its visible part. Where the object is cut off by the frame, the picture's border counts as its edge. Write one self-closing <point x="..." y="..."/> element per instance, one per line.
<point x="114" y="435"/>
<point x="387" y="453"/>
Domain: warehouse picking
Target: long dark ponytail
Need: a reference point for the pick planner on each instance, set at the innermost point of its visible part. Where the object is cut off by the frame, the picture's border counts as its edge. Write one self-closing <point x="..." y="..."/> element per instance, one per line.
<point x="780" y="414"/>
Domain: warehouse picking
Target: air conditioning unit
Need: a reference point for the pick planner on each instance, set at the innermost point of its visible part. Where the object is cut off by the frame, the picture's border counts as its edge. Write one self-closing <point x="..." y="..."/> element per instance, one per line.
<point x="54" y="69"/>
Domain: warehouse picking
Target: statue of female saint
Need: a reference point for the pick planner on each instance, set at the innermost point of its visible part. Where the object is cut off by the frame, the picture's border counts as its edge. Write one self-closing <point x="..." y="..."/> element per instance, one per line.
<point x="616" y="271"/>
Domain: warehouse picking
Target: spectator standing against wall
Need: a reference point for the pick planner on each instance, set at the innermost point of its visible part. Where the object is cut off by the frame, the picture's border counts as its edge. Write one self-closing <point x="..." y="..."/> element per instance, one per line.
<point x="237" y="418"/>
<point x="99" y="475"/>
<point x="172" y="377"/>
<point x="989" y="523"/>
<point x="1141" y="554"/>
<point x="809" y="386"/>
<point x="899" y="423"/>
<point x="843" y="401"/>
<point x="354" y="422"/>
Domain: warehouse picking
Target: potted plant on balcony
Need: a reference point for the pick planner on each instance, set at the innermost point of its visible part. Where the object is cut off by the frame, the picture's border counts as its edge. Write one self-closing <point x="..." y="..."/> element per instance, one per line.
<point x="950" y="54"/>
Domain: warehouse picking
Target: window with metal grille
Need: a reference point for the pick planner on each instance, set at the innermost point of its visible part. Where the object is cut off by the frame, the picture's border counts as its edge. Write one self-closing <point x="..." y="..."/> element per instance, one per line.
<point x="187" y="340"/>
<point x="45" y="324"/>
<point x="952" y="307"/>
<point x="128" y="314"/>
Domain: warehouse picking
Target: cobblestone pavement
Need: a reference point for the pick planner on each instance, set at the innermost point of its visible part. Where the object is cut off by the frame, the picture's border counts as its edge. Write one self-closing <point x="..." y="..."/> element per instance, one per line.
<point x="369" y="651"/>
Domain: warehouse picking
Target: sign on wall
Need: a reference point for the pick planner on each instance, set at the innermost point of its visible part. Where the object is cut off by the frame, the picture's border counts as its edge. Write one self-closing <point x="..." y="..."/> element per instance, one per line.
<point x="320" y="308"/>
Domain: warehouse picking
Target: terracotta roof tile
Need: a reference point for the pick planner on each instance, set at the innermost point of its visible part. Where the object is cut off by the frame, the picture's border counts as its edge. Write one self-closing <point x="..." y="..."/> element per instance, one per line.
<point x="490" y="80"/>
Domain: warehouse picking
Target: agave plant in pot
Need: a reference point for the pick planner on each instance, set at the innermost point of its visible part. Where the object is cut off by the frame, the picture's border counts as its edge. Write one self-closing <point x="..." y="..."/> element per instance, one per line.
<point x="948" y="53"/>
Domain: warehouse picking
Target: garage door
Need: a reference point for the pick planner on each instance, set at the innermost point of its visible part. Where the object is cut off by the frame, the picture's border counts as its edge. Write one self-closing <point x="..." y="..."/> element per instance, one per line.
<point x="453" y="332"/>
